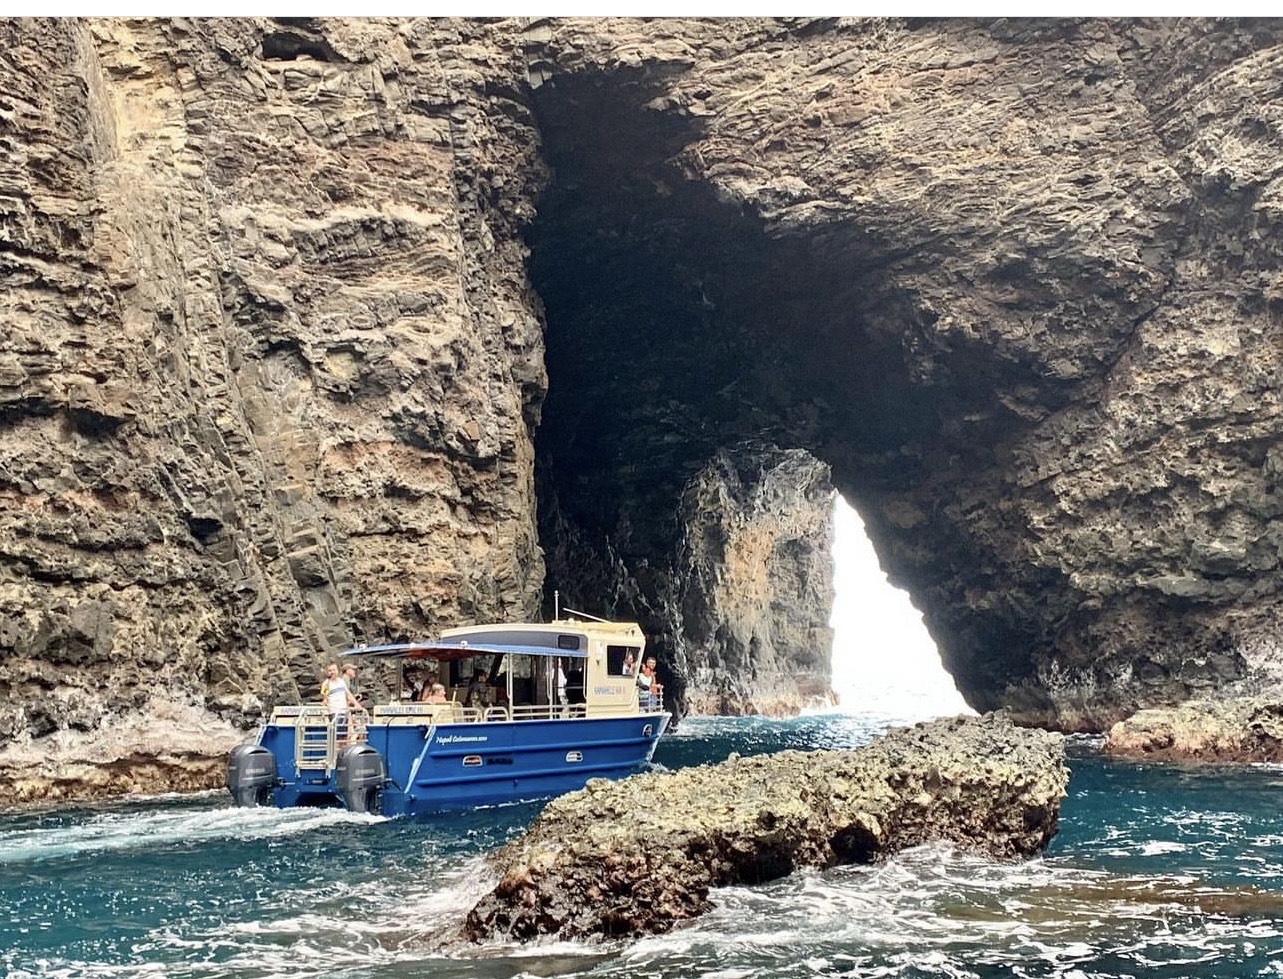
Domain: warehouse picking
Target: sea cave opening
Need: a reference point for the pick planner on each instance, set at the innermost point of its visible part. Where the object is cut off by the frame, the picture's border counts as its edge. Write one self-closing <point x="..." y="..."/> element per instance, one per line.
<point x="884" y="659"/>
<point x="710" y="385"/>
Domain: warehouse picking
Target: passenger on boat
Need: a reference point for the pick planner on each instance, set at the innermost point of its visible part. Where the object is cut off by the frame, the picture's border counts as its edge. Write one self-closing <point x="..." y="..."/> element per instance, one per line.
<point x="651" y="690"/>
<point x="349" y="675"/>
<point x="413" y="683"/>
<point x="429" y="681"/>
<point x="337" y="699"/>
<point x="436" y="694"/>
<point x="478" y="690"/>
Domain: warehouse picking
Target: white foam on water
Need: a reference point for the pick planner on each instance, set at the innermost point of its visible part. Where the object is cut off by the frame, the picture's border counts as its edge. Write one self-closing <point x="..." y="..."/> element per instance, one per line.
<point x="113" y="831"/>
<point x="1157" y="847"/>
<point x="947" y="912"/>
<point x="933" y="911"/>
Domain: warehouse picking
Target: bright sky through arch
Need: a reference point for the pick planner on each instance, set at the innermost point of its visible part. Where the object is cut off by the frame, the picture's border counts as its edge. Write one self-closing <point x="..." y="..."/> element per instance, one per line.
<point x="883" y="658"/>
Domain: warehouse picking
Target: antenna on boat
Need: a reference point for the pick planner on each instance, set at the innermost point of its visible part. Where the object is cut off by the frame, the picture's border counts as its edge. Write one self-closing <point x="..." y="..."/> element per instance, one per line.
<point x="595" y="618"/>
<point x="556" y="604"/>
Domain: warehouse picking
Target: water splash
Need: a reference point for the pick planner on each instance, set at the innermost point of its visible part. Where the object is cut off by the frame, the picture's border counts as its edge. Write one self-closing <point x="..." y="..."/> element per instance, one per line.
<point x="115" y="831"/>
<point x="1158" y="872"/>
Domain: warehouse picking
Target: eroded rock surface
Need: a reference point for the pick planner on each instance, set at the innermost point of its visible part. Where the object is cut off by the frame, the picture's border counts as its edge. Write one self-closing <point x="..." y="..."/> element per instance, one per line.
<point x="1017" y="282"/>
<point x="1248" y="729"/>
<point x="168" y="748"/>
<point x="270" y="361"/>
<point x="323" y="330"/>
<point x="642" y="855"/>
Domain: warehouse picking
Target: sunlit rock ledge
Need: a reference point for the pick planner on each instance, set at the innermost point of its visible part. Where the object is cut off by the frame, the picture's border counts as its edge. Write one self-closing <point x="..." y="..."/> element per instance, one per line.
<point x="1247" y="729"/>
<point x="172" y="747"/>
<point x="641" y="855"/>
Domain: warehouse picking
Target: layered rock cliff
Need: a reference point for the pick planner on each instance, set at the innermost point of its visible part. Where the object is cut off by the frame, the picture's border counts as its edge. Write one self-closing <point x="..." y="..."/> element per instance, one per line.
<point x="1015" y="282"/>
<point x="270" y="365"/>
<point x="320" y="331"/>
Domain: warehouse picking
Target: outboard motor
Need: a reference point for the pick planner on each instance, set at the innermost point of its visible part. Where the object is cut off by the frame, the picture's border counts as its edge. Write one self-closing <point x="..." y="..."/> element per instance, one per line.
<point x="359" y="778"/>
<point x="251" y="775"/>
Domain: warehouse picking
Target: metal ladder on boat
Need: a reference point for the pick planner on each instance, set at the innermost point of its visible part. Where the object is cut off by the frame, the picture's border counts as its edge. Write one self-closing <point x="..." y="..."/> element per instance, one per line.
<point x="316" y="740"/>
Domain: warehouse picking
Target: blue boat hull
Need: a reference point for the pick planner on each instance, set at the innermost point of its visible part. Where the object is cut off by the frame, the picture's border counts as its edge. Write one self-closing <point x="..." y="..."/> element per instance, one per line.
<point x="433" y="768"/>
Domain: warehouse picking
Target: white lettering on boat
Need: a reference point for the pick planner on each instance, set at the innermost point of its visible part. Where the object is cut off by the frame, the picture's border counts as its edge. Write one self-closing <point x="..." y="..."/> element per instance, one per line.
<point x="461" y="738"/>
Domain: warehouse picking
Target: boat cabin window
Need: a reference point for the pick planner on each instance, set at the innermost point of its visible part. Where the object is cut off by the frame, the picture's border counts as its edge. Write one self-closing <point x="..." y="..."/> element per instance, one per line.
<point x="572" y="672"/>
<point x="622" y="660"/>
<point x="462" y="671"/>
<point x="523" y="679"/>
<point x="519" y="680"/>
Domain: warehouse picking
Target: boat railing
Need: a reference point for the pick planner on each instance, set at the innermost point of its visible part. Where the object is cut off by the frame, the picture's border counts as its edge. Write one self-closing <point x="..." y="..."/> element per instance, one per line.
<point x="535" y="712"/>
<point x="318" y="734"/>
<point x="550" y="712"/>
<point x="317" y="741"/>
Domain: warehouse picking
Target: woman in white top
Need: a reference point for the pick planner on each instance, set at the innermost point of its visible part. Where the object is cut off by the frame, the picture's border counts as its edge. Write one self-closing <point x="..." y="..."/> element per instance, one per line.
<point x="337" y="698"/>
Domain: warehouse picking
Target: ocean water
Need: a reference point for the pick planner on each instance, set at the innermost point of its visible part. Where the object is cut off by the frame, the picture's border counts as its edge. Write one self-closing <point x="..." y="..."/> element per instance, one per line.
<point x="1158" y="871"/>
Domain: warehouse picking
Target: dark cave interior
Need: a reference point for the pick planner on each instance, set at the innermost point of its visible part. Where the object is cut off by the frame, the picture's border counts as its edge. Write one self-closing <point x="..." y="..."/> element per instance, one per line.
<point x="675" y="327"/>
<point x="681" y="325"/>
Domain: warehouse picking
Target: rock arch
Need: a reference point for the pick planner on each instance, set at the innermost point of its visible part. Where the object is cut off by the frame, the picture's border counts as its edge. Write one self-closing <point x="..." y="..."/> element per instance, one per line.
<point x="997" y="301"/>
<point x="326" y="330"/>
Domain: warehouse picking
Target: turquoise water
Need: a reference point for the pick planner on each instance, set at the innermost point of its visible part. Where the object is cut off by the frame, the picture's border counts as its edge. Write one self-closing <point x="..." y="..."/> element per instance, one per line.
<point x="1157" y="872"/>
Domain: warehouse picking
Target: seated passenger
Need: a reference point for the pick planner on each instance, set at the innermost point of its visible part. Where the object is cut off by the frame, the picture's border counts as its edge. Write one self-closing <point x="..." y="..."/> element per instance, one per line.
<point x="429" y="681"/>
<point x="478" y="690"/>
<point x="414" y="684"/>
<point x="436" y="695"/>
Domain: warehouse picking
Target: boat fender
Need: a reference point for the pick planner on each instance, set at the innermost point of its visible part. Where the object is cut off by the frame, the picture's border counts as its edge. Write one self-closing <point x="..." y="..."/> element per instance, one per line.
<point x="251" y="775"/>
<point x="359" y="777"/>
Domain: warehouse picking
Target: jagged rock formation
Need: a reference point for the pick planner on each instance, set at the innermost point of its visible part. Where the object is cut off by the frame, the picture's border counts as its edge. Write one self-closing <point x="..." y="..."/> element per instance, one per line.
<point x="640" y="856"/>
<point x="739" y="615"/>
<point x="321" y="330"/>
<point x="1015" y="282"/>
<point x="1248" y="729"/>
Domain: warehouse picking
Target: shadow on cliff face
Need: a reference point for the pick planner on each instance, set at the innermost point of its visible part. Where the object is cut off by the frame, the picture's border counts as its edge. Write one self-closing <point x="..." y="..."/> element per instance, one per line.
<point x="681" y="334"/>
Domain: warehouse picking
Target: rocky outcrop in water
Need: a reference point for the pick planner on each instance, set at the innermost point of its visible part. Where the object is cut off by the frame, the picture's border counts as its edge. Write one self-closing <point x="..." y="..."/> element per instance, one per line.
<point x="325" y="330"/>
<point x="1246" y="729"/>
<point x="642" y="855"/>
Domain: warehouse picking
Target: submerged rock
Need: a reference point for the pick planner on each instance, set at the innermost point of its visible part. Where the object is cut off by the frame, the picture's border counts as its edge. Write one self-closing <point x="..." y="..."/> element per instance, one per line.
<point x="1248" y="729"/>
<point x="638" y="856"/>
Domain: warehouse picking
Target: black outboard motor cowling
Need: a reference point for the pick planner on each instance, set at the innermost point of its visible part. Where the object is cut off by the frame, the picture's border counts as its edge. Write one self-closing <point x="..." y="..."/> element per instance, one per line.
<point x="359" y="777"/>
<point x="251" y="775"/>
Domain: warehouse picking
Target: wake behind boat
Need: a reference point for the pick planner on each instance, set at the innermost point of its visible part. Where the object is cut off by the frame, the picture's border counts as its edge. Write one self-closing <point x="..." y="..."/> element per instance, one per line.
<point x="565" y="706"/>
